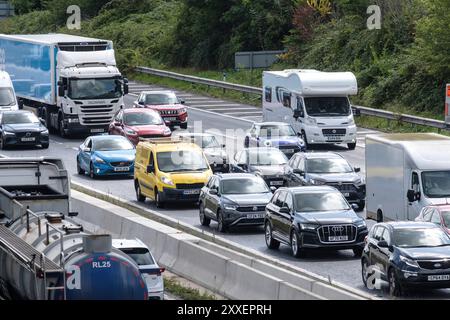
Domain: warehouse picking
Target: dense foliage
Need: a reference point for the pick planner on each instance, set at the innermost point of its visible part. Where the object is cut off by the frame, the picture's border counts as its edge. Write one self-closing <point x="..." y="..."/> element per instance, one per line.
<point x="402" y="66"/>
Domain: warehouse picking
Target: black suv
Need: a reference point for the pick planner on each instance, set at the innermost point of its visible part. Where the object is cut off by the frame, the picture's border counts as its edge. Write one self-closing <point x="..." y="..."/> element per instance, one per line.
<point x="267" y="163"/>
<point x="313" y="218"/>
<point x="315" y="169"/>
<point x="234" y="199"/>
<point x="406" y="254"/>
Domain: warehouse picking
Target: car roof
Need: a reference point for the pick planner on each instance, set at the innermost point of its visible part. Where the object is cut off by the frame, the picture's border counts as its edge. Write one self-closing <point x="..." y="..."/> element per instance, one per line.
<point x="128" y="243"/>
<point x="229" y="176"/>
<point x="106" y="136"/>
<point x="396" y="225"/>
<point x="311" y="189"/>
<point x="159" y="92"/>
<point x="322" y="155"/>
<point x="260" y="124"/>
<point x="140" y="110"/>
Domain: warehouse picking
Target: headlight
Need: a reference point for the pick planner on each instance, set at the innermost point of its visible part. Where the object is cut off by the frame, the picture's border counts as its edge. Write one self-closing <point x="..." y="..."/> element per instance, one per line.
<point x="73" y="120"/>
<point x="361" y="224"/>
<point x="409" y="262"/>
<point x="7" y="133"/>
<point x="44" y="132"/>
<point x="180" y="111"/>
<point x="129" y="131"/>
<point x="167" y="181"/>
<point x="99" y="160"/>
<point x="311" y="121"/>
<point x="230" y="207"/>
<point x="167" y="131"/>
<point x="306" y="226"/>
<point x="317" y="182"/>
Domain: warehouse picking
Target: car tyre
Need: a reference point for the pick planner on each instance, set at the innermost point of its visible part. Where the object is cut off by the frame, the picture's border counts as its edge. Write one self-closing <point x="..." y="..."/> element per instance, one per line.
<point x="296" y="248"/>
<point x="139" y="196"/>
<point x="358" y="251"/>
<point x="221" y="226"/>
<point x="92" y="174"/>
<point x="184" y="126"/>
<point x="2" y="144"/>
<point x="159" y="203"/>
<point x="62" y="133"/>
<point x="45" y="146"/>
<point x="271" y="243"/>
<point x="364" y="272"/>
<point x="395" y="289"/>
<point x="351" y="146"/>
<point x="204" y="220"/>
<point x="79" y="169"/>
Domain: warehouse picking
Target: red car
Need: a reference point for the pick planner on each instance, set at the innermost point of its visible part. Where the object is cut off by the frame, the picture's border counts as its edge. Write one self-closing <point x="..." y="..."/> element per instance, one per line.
<point x="139" y="123"/>
<point x="438" y="214"/>
<point x="171" y="108"/>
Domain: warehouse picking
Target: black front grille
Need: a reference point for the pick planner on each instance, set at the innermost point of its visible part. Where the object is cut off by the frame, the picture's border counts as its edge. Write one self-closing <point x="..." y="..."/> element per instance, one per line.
<point x="121" y="164"/>
<point x="151" y="136"/>
<point x="251" y="209"/>
<point x="344" y="187"/>
<point x="190" y="186"/>
<point x="325" y="232"/>
<point x="334" y="132"/>
<point x="434" y="265"/>
<point x="96" y="109"/>
<point x="97" y="120"/>
<point x="27" y="134"/>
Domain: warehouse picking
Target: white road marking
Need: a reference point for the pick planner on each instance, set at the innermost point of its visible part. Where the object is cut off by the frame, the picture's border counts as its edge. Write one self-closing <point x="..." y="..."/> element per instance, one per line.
<point x="216" y="105"/>
<point x="233" y="109"/>
<point x="249" y="112"/>
<point x="223" y="115"/>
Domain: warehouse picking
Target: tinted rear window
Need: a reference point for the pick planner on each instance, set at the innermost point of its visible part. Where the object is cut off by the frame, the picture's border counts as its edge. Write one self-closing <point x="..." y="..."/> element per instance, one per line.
<point x="140" y="255"/>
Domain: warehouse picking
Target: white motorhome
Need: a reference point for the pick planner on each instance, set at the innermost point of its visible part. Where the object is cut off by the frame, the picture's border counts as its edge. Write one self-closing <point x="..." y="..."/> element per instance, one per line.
<point x="8" y="100"/>
<point x="315" y="103"/>
<point x="404" y="173"/>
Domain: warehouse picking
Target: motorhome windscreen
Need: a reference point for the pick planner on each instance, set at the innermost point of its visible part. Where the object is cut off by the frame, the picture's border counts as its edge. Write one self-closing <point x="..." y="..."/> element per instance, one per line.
<point x="436" y="184"/>
<point x="95" y="89"/>
<point x="327" y="106"/>
<point x="6" y="97"/>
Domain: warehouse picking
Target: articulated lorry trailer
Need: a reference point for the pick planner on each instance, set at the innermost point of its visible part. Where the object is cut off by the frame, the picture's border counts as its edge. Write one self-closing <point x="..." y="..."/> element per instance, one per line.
<point x="71" y="82"/>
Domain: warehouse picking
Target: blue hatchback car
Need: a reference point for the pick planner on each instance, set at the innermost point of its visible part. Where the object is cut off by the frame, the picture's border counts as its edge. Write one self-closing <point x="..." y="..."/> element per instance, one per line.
<point x="106" y="156"/>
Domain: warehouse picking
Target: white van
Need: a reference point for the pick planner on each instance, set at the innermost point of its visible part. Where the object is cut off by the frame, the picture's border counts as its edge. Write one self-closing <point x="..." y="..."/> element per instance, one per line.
<point x="315" y="103"/>
<point x="8" y="100"/>
<point x="150" y="270"/>
<point x="405" y="173"/>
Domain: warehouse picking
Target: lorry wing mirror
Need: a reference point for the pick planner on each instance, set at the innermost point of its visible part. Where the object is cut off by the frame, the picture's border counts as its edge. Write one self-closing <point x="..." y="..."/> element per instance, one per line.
<point x="411" y="195"/>
<point x="61" y="91"/>
<point x="356" y="111"/>
<point x="125" y="86"/>
<point x="298" y="114"/>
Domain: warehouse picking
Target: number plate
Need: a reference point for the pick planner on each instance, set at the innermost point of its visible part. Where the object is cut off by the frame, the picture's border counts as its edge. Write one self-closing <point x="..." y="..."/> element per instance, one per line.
<point x="122" y="169"/>
<point x="338" y="239"/>
<point x="444" y="277"/>
<point x="97" y="130"/>
<point x="190" y="192"/>
<point x="255" y="216"/>
<point x="170" y="119"/>
<point x="28" y="139"/>
<point x="346" y="194"/>
<point x="276" y="183"/>
<point x="334" y="138"/>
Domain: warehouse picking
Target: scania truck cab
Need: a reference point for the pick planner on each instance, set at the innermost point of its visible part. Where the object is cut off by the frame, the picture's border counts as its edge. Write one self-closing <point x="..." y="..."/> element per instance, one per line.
<point x="315" y="103"/>
<point x="8" y="99"/>
<point x="71" y="82"/>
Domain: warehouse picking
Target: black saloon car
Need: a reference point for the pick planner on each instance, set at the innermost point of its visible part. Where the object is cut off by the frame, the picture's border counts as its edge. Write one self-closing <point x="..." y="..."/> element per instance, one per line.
<point x="234" y="199"/>
<point x="313" y="218"/>
<point x="267" y="163"/>
<point x="407" y="255"/>
<point x="22" y="128"/>
<point x="327" y="168"/>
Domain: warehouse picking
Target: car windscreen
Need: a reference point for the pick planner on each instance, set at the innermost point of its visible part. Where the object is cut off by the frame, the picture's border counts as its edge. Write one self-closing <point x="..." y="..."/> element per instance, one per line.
<point x="436" y="184"/>
<point x="160" y="99"/>
<point x="277" y="131"/>
<point x="328" y="166"/>
<point x="181" y="161"/>
<point x="140" y="255"/>
<point x="142" y="119"/>
<point x="244" y="186"/>
<point x="263" y="157"/>
<point x="327" y="106"/>
<point x="416" y="237"/>
<point x="112" y="144"/>
<point x="6" y="97"/>
<point x="19" y="117"/>
<point x="83" y="89"/>
<point x="320" y="202"/>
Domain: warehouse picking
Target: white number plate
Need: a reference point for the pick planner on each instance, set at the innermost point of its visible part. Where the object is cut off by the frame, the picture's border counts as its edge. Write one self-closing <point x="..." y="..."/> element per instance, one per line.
<point x="188" y="192"/>
<point x="276" y="183"/>
<point x="338" y="239"/>
<point x="347" y="194"/>
<point x="334" y="138"/>
<point x="170" y="119"/>
<point x="97" y="130"/>
<point x="255" y="216"/>
<point x="444" y="277"/>
<point x="121" y="169"/>
<point x="28" y="139"/>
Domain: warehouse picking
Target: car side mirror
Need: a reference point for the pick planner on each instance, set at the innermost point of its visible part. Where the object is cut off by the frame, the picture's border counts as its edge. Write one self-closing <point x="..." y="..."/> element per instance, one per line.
<point x="213" y="192"/>
<point x="224" y="146"/>
<point x="86" y="149"/>
<point x="20" y="104"/>
<point x="383" y="244"/>
<point x="182" y="101"/>
<point x="273" y="189"/>
<point x="357" y="170"/>
<point x="285" y="210"/>
<point x="142" y="103"/>
<point x="73" y="214"/>
<point x="299" y="172"/>
<point x="42" y="121"/>
<point x="298" y="114"/>
<point x="150" y="168"/>
<point x="354" y="206"/>
<point x="412" y="196"/>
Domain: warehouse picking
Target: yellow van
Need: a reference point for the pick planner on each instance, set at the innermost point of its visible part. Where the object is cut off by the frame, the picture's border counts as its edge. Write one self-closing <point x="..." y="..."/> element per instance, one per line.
<point x="169" y="170"/>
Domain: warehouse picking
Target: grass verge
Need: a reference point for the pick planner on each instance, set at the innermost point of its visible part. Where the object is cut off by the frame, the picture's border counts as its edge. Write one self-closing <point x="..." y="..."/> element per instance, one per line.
<point x="185" y="293"/>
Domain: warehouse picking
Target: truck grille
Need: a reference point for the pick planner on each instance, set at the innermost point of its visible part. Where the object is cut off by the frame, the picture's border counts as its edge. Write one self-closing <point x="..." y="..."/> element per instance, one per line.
<point x="183" y="186"/>
<point x="96" y="109"/>
<point x="97" y="120"/>
<point x="250" y="209"/>
<point x="334" y="132"/>
<point x="434" y="264"/>
<point x="325" y="232"/>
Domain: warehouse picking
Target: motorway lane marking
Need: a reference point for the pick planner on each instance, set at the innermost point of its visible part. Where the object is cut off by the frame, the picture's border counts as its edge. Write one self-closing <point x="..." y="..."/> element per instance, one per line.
<point x="219" y="114"/>
<point x="217" y="105"/>
<point x="202" y="98"/>
<point x="249" y="112"/>
<point x="232" y="109"/>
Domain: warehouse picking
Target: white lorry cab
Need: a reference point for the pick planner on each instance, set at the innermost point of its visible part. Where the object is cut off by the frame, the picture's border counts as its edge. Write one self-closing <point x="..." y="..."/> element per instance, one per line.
<point x="8" y="100"/>
<point x="315" y="103"/>
<point x="406" y="172"/>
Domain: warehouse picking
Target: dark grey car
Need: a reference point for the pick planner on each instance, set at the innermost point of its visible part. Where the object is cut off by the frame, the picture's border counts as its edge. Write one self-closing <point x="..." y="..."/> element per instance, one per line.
<point x="234" y="199"/>
<point x="327" y="168"/>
